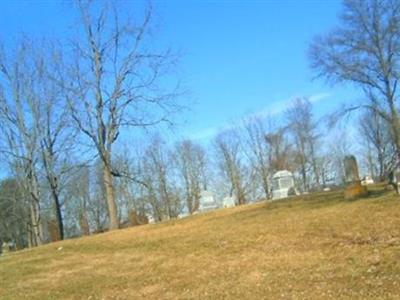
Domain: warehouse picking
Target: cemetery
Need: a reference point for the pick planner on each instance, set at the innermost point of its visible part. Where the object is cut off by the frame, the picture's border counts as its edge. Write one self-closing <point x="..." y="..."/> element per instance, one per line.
<point x="317" y="221"/>
<point x="224" y="149"/>
<point x="240" y="248"/>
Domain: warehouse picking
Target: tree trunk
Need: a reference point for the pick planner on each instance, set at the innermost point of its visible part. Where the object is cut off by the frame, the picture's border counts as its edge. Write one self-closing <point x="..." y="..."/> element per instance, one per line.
<point x="314" y="165"/>
<point x="304" y="177"/>
<point x="30" y="235"/>
<point x="241" y="198"/>
<point x="36" y="225"/>
<point x="83" y="222"/>
<point x="48" y="158"/>
<point x="60" y="223"/>
<point x="112" y="207"/>
<point x="396" y="131"/>
<point x="166" y="197"/>
<point x="265" y="181"/>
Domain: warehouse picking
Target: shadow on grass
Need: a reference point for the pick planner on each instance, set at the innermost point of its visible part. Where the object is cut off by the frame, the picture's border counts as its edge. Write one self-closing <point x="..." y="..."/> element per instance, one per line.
<point x="323" y="199"/>
<point x="377" y="193"/>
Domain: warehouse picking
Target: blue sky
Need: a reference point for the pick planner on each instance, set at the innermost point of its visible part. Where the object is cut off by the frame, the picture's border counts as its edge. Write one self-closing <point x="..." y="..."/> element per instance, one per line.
<point x="240" y="57"/>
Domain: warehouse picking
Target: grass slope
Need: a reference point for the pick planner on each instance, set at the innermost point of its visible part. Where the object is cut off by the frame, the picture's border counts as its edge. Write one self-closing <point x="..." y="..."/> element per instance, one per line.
<point x="314" y="247"/>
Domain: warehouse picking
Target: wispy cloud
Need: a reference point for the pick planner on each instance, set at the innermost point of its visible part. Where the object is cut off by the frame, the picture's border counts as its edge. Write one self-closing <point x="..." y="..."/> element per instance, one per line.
<point x="319" y="97"/>
<point x="272" y="109"/>
<point x="279" y="107"/>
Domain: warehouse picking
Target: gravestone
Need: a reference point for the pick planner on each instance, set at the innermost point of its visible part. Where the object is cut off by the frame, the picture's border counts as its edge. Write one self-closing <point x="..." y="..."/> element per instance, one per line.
<point x="183" y="215"/>
<point x="354" y="188"/>
<point x="150" y="218"/>
<point x="5" y="248"/>
<point x="367" y="180"/>
<point x="228" y="201"/>
<point x="283" y="185"/>
<point x="351" y="169"/>
<point x="207" y="202"/>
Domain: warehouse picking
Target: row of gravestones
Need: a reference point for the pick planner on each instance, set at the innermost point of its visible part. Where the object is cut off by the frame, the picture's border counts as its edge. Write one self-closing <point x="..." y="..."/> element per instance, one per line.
<point x="354" y="188"/>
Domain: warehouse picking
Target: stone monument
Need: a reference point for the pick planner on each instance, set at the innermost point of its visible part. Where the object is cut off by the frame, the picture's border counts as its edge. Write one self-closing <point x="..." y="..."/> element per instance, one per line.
<point x="228" y="201"/>
<point x="354" y="188"/>
<point x="283" y="185"/>
<point x="207" y="202"/>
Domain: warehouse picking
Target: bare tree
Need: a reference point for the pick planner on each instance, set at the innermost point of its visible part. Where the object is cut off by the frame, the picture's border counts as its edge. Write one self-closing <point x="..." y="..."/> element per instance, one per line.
<point x="161" y="188"/>
<point x="130" y="185"/>
<point x="230" y="159"/>
<point x="115" y="82"/>
<point x="19" y="114"/>
<point x="78" y="190"/>
<point x="279" y="150"/>
<point x="364" y="50"/>
<point x="13" y="214"/>
<point x="339" y="147"/>
<point x="56" y="136"/>
<point x="303" y="130"/>
<point x="40" y="110"/>
<point x="378" y="145"/>
<point x="150" y="195"/>
<point x="190" y="161"/>
<point x="258" y="147"/>
<point x="96" y="203"/>
<point x="325" y="168"/>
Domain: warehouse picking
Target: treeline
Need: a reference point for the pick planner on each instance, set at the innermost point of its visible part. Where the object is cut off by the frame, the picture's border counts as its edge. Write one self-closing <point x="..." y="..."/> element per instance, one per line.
<point x="65" y="106"/>
<point x="160" y="180"/>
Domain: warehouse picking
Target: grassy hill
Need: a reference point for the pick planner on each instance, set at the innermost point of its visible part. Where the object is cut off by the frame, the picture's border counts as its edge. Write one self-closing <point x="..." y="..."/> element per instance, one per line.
<point x="317" y="246"/>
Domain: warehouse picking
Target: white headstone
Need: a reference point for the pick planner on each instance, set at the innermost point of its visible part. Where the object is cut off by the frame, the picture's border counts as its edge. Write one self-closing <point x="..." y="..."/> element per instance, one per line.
<point x="228" y="201"/>
<point x="367" y="180"/>
<point x="183" y="215"/>
<point x="207" y="201"/>
<point x="150" y="218"/>
<point x="282" y="184"/>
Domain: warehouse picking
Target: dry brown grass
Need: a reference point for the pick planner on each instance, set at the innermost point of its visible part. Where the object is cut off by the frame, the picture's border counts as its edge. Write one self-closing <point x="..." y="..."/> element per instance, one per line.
<point x="314" y="247"/>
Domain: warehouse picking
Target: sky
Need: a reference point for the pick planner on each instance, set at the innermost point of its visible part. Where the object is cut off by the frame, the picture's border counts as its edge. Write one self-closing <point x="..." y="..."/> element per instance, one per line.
<point x="239" y="58"/>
